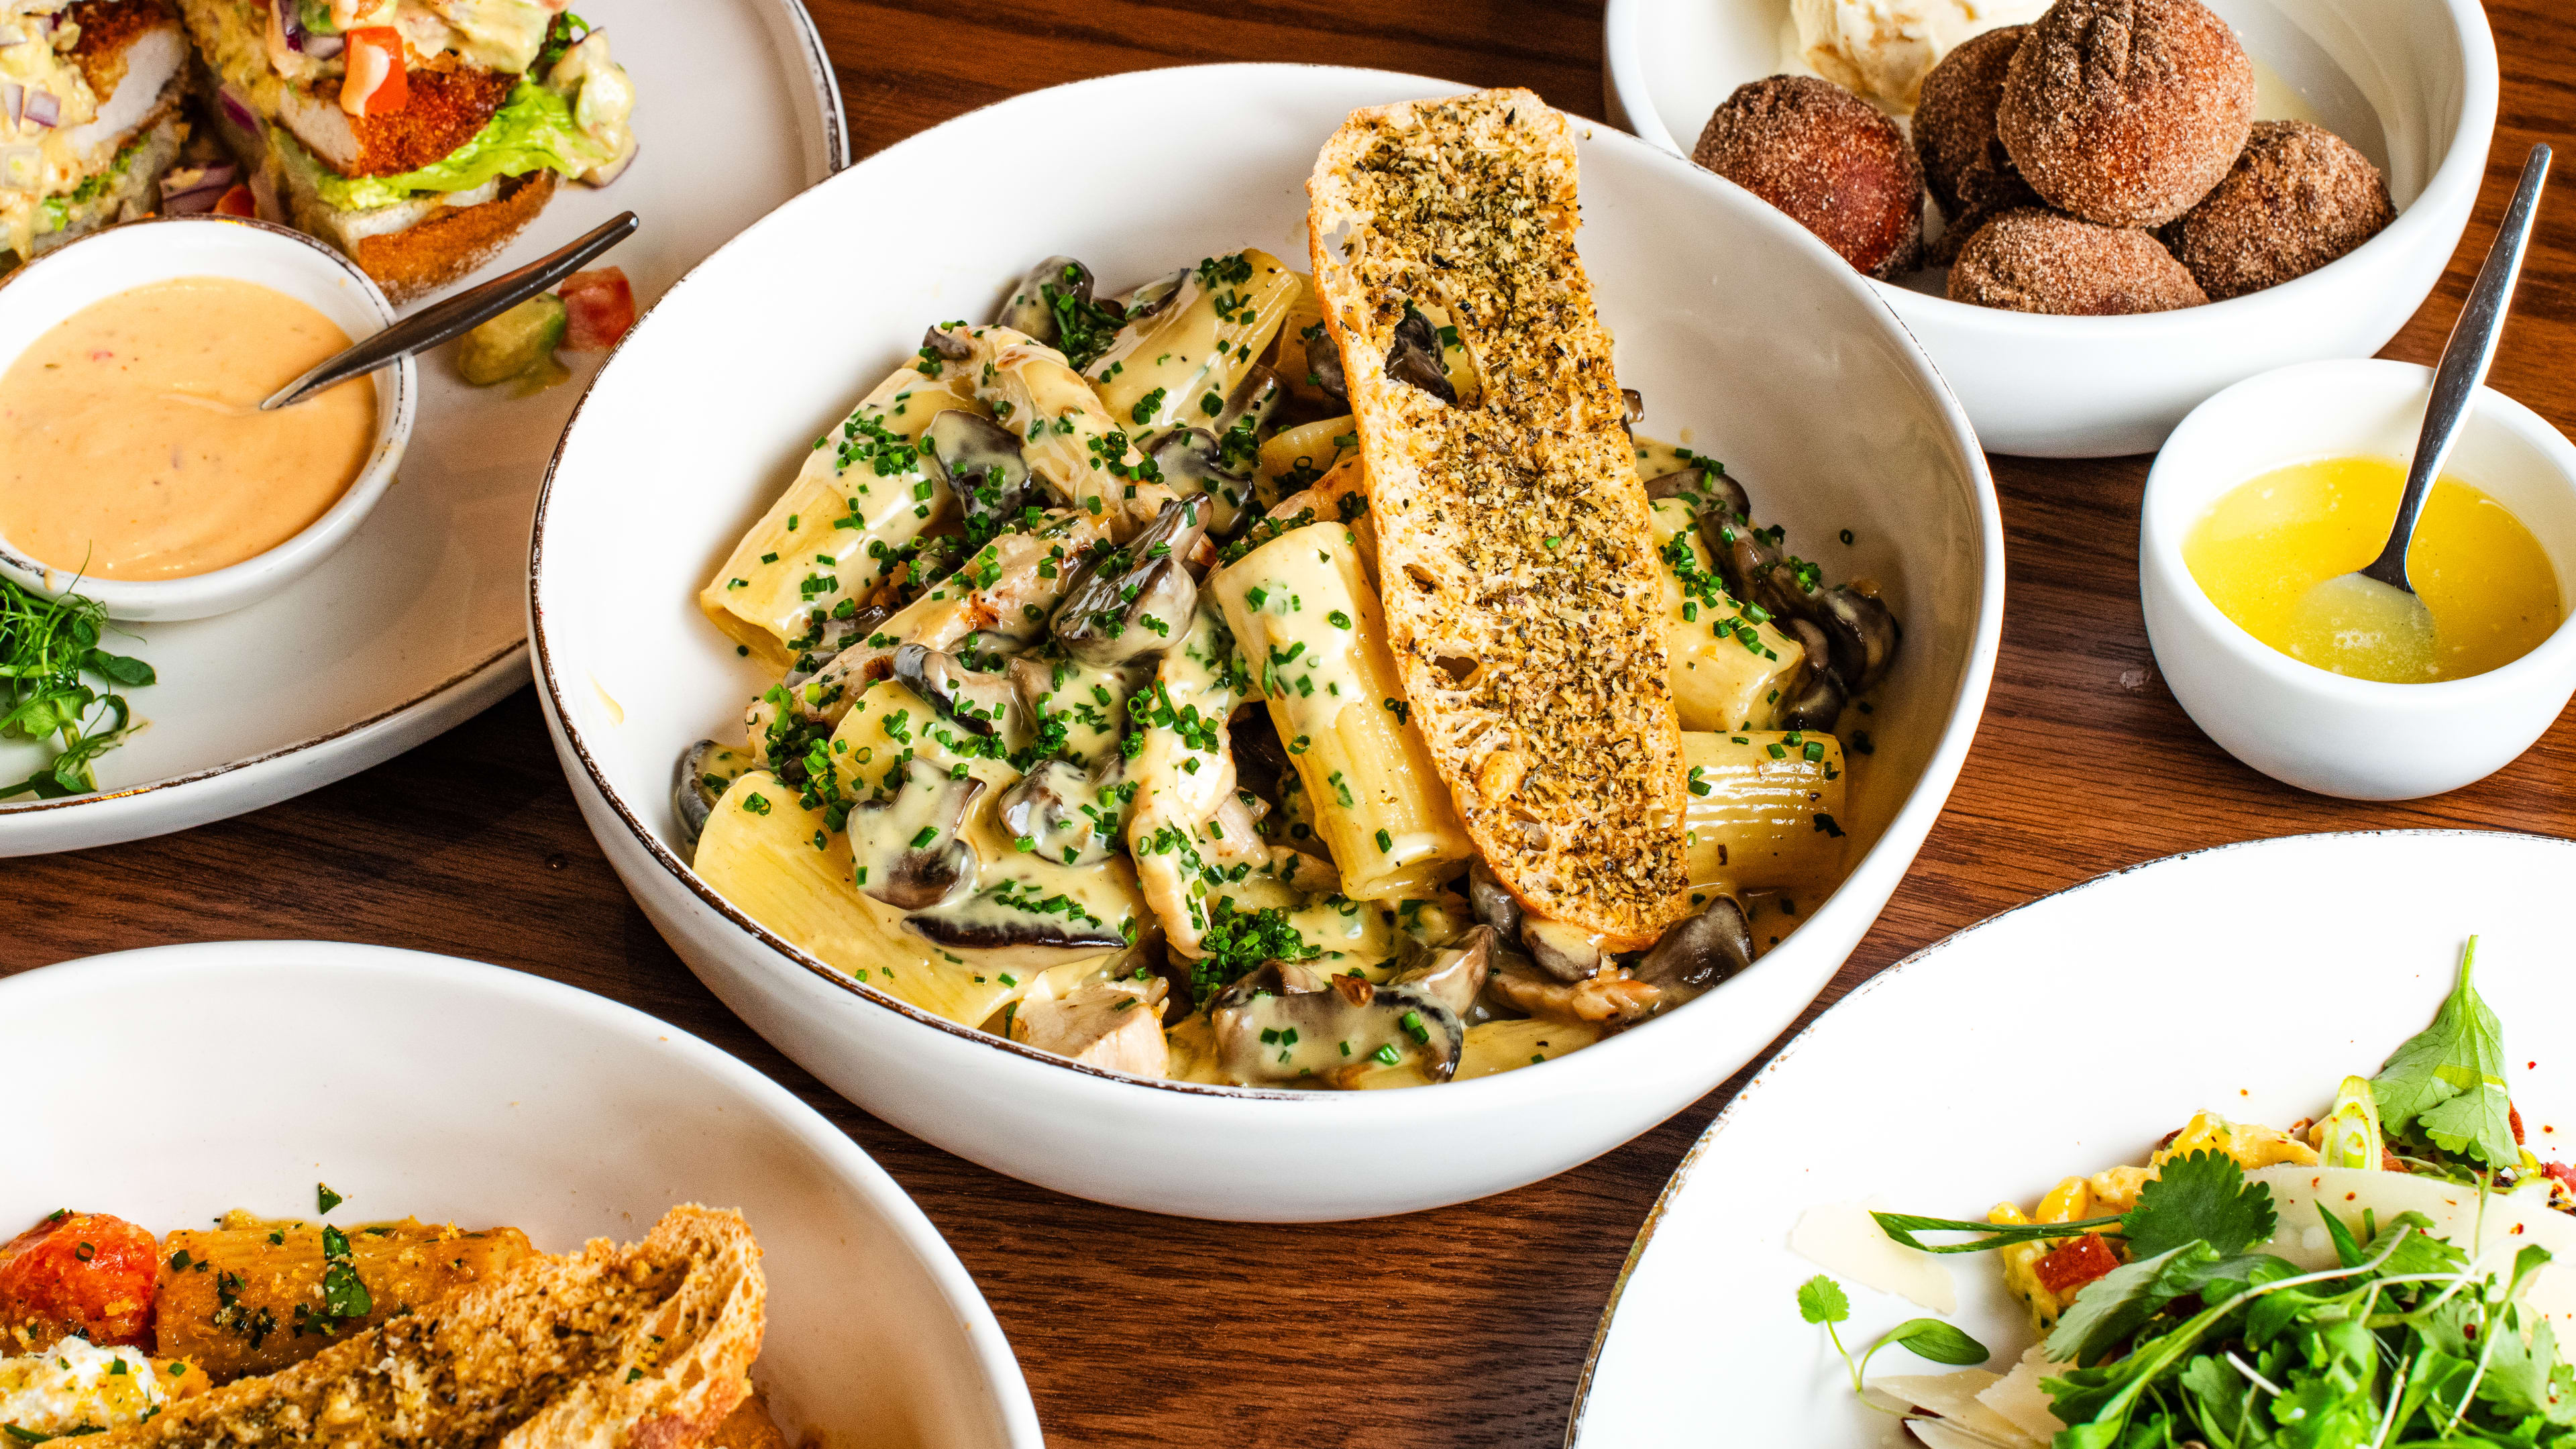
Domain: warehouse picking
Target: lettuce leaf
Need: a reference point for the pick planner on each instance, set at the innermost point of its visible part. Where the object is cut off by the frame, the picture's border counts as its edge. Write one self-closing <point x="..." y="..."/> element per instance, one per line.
<point x="533" y="132"/>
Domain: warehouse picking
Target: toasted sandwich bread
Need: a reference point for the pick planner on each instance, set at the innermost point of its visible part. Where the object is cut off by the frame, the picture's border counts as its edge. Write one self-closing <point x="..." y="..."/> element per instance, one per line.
<point x="648" y="1345"/>
<point x="1521" y="592"/>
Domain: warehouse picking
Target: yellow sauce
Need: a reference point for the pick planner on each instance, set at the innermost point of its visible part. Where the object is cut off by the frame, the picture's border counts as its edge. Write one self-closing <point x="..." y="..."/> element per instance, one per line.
<point x="2264" y="550"/>
<point x="131" y="446"/>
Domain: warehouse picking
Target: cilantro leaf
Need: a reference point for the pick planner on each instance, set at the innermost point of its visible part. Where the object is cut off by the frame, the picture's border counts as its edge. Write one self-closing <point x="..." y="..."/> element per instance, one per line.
<point x="2203" y="1197"/>
<point x="2446" y="1083"/>
<point x="1821" y="1300"/>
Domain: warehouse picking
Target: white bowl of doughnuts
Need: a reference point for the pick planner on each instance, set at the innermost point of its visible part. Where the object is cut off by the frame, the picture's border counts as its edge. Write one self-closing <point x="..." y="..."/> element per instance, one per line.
<point x="1726" y="315"/>
<point x="2410" y="85"/>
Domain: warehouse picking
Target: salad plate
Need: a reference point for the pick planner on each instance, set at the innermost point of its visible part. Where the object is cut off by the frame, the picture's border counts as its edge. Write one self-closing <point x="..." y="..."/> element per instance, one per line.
<point x="2065" y="1037"/>
<point x="458" y="1092"/>
<point x="416" y="624"/>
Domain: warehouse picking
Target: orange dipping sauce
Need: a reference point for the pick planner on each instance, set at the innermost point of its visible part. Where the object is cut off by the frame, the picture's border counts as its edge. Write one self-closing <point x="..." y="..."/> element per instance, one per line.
<point x="132" y="447"/>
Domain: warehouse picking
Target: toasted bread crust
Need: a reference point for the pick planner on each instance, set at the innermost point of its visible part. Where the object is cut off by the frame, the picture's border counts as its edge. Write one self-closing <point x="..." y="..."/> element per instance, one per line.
<point x="107" y="28"/>
<point x="645" y="1345"/>
<point x="449" y="106"/>
<point x="1522" y="598"/>
<point x="444" y="248"/>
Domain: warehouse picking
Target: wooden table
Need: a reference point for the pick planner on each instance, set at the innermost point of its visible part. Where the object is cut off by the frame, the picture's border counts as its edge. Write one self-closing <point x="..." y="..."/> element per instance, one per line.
<point x="1462" y="1327"/>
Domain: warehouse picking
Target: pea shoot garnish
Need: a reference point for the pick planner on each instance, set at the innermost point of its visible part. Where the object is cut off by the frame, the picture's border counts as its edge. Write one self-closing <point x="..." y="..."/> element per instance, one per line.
<point x="48" y="650"/>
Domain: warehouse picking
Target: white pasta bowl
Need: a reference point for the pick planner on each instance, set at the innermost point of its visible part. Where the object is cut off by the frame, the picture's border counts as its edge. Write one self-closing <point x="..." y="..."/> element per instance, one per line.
<point x="1747" y="337"/>
<point x="98" y="266"/>
<point x="458" y="1092"/>
<point x="2411" y="83"/>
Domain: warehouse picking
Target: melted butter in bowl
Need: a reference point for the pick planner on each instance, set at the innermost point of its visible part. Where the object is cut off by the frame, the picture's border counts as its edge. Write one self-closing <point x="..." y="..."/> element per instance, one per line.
<point x="131" y="445"/>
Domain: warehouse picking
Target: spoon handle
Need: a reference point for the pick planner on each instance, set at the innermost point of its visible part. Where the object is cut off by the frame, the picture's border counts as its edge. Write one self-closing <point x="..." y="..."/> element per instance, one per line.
<point x="458" y="315"/>
<point x="2465" y="358"/>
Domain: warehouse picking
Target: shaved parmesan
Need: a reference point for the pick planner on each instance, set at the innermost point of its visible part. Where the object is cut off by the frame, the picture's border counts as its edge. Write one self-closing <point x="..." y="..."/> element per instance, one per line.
<point x="2019" y="1399"/>
<point x="1841" y="1237"/>
<point x="1944" y="1434"/>
<point x="1953" y="1396"/>
<point x="2491" y="1233"/>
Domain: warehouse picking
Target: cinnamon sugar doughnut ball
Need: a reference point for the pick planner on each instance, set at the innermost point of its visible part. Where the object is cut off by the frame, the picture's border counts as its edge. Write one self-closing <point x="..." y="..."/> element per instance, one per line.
<point x="2125" y="112"/>
<point x="2299" y="197"/>
<point x="2030" y="260"/>
<point x="1964" y="162"/>
<point x="1828" y="159"/>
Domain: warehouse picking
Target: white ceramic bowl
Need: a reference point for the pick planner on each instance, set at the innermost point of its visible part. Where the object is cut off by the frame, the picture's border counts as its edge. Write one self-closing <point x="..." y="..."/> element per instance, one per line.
<point x="2412" y="83"/>
<point x="104" y="263"/>
<point x="2306" y="726"/>
<point x="1743" y="332"/>
<point x="460" y="1092"/>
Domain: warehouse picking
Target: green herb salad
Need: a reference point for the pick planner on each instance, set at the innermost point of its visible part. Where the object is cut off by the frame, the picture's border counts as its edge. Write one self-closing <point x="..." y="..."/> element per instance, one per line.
<point x="2386" y="1274"/>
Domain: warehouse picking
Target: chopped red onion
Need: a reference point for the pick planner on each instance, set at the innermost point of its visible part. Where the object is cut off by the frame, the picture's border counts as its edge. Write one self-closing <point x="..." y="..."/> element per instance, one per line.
<point x="42" y="109"/>
<point x="238" y="111"/>
<point x="13" y="101"/>
<point x="290" y="23"/>
<point x="191" y="190"/>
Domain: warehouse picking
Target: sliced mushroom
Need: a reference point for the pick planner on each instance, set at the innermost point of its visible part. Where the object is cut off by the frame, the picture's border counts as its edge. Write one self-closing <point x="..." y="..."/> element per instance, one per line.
<point x="1324" y="366"/>
<point x="1455" y="974"/>
<point x="1257" y="398"/>
<point x="979" y="704"/>
<point x="981" y="463"/>
<point x="1568" y="953"/>
<point x="1701" y="489"/>
<point x="1127" y="602"/>
<point x="1862" y="632"/>
<point x="909" y="853"/>
<point x="698" y="781"/>
<point x="1114" y="1025"/>
<point x="990" y="651"/>
<point x="1149" y="301"/>
<point x="1632" y="408"/>
<point x="1413" y="355"/>
<point x="831" y="637"/>
<point x="1028" y="308"/>
<point x="989" y="926"/>
<point x="1752" y="569"/>
<point x="1698" y="953"/>
<point x="1192" y="462"/>
<point x="1284" y="1023"/>
<point x="1519" y="987"/>
<point x="1492" y="904"/>
<point x="1057" y="806"/>
<point x="1815" y="699"/>
<point x="947" y="344"/>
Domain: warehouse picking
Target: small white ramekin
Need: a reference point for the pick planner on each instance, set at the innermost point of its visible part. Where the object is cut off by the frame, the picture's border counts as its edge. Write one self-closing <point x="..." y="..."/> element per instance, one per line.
<point x="102" y="264"/>
<point x="2306" y="726"/>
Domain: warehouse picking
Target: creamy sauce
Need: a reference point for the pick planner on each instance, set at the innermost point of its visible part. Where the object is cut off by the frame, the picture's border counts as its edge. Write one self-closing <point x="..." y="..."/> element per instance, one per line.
<point x="2264" y="550"/>
<point x="131" y="446"/>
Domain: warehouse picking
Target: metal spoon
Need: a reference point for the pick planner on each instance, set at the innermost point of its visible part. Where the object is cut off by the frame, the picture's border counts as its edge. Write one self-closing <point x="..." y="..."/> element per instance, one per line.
<point x="458" y="315"/>
<point x="2380" y="597"/>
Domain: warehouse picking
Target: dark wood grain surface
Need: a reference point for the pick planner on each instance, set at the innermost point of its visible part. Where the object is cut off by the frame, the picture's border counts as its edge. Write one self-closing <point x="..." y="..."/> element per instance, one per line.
<point x="1466" y="1326"/>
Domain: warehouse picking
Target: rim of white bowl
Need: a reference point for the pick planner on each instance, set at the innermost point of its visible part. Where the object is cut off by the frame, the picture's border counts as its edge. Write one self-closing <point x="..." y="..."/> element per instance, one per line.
<point x="2455" y="180"/>
<point x="2160" y="543"/>
<point x="1913" y="818"/>
<point x="1755" y="1086"/>
<point x="132" y="974"/>
<point x="364" y="492"/>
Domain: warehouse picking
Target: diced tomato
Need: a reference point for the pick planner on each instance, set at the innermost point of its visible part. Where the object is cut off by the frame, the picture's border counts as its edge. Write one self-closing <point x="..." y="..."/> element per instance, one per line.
<point x="599" y="306"/>
<point x="2513" y="1114"/>
<point x="238" y="201"/>
<point x="77" y="1273"/>
<point x="2566" y="1176"/>
<point x="2076" y="1264"/>
<point x="377" y="84"/>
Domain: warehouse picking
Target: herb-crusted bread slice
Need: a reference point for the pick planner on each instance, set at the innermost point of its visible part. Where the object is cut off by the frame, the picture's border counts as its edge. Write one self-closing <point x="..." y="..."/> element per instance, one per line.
<point x="646" y="1346"/>
<point x="1514" y="540"/>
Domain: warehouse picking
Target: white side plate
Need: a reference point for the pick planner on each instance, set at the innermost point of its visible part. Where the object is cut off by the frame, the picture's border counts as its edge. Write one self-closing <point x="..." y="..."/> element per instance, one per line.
<point x="2062" y="1037"/>
<point x="416" y="624"/>
<point x="458" y="1092"/>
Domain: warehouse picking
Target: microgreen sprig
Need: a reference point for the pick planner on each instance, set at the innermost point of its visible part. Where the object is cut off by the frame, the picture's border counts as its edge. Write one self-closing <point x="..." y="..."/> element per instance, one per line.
<point x="46" y="647"/>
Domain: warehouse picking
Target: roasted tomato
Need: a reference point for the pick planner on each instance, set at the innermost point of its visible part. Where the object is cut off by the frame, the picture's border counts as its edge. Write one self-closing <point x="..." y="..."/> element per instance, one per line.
<point x="600" y="306"/>
<point x="2076" y="1264"/>
<point x="84" y="1274"/>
